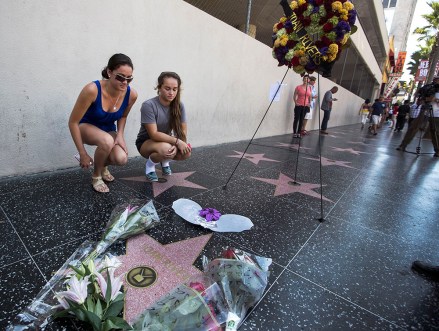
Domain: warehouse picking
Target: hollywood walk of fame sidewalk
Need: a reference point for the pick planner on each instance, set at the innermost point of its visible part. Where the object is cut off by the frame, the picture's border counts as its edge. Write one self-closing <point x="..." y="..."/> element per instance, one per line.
<point x="350" y="271"/>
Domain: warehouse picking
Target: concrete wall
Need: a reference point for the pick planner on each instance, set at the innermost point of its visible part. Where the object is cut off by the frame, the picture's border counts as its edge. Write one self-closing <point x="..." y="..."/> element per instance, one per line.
<point x="52" y="48"/>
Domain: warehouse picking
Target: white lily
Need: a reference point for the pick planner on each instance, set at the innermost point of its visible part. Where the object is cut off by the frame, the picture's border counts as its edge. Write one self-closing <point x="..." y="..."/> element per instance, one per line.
<point x="116" y="284"/>
<point x="110" y="262"/>
<point x="77" y="290"/>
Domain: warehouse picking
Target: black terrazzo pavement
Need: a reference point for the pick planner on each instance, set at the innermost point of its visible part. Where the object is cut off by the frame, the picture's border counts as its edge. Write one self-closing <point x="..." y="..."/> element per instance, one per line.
<point x="351" y="271"/>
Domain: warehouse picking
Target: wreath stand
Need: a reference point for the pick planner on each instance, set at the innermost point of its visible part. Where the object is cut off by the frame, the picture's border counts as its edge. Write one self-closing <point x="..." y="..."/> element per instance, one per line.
<point x="321" y="218"/>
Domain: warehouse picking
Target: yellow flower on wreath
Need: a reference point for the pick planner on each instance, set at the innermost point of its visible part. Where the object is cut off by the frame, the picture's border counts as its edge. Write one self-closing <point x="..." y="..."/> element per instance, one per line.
<point x="337" y="6"/>
<point x="333" y="49"/>
<point x="348" y="6"/>
<point x="299" y="69"/>
<point x="301" y="2"/>
<point x="345" y="39"/>
<point x="343" y="13"/>
<point x="294" y="5"/>
<point x="284" y="40"/>
<point x="299" y="53"/>
<point x="283" y="19"/>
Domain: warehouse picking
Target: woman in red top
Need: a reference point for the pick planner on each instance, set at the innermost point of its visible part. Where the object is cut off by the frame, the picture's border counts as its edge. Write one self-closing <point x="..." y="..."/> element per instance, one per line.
<point x="302" y="98"/>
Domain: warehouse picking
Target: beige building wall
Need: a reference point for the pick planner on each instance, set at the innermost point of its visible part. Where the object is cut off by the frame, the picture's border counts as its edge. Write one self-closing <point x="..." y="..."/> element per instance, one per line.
<point x="52" y="48"/>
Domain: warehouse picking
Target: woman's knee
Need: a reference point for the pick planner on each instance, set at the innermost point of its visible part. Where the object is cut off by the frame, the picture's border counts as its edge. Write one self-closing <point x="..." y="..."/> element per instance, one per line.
<point x="106" y="143"/>
<point x="120" y="159"/>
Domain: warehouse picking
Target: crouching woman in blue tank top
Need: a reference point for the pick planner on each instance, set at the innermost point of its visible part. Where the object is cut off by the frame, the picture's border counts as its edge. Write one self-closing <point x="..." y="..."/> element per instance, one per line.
<point x="100" y="105"/>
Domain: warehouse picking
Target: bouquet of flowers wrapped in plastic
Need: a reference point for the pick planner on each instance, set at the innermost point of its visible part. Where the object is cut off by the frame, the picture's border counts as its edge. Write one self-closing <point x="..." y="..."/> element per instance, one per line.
<point x="195" y="305"/>
<point x="230" y="286"/>
<point x="243" y="278"/>
<point x="93" y="294"/>
<point x="126" y="220"/>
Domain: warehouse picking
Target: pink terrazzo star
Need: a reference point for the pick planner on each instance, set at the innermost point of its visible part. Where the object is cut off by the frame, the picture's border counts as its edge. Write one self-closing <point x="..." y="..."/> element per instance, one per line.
<point x="172" y="264"/>
<point x="284" y="186"/>
<point x="291" y="146"/>
<point x="349" y="150"/>
<point x="254" y="158"/>
<point x="176" y="179"/>
<point x="329" y="162"/>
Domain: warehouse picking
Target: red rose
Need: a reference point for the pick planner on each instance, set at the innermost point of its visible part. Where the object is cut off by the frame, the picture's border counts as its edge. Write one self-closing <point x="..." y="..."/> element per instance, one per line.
<point x="289" y="30"/>
<point x="318" y="2"/>
<point x="295" y="61"/>
<point x="329" y="16"/>
<point x="328" y="27"/>
<point x="279" y="26"/>
<point x="229" y="254"/>
<point x="326" y="41"/>
<point x="291" y="43"/>
<point x="319" y="44"/>
<point x="306" y="21"/>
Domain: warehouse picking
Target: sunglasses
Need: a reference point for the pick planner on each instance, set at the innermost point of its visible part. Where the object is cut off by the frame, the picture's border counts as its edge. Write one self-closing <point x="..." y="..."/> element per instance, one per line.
<point x="122" y="78"/>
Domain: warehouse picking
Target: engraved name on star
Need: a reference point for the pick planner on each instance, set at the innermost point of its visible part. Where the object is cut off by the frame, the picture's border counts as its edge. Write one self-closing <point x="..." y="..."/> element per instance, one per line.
<point x="254" y="158"/>
<point x="349" y="150"/>
<point x="284" y="185"/>
<point x="291" y="146"/>
<point x="172" y="263"/>
<point x="329" y="162"/>
<point x="176" y="179"/>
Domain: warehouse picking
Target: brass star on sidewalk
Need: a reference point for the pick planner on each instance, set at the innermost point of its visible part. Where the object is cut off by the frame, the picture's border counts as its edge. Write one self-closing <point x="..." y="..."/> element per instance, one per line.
<point x="284" y="185"/>
<point x="254" y="158"/>
<point x="169" y="265"/>
<point x="349" y="150"/>
<point x="328" y="162"/>
<point x="176" y="179"/>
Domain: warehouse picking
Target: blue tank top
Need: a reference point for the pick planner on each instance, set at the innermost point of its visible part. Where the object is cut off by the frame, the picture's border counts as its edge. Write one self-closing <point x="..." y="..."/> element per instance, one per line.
<point x="97" y="116"/>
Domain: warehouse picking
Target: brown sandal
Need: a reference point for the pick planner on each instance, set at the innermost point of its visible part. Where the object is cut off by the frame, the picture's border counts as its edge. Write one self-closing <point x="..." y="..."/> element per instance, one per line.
<point x="99" y="185"/>
<point x="106" y="175"/>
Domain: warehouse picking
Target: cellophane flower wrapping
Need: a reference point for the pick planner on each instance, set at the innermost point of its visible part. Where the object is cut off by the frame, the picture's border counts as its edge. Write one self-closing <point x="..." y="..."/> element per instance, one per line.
<point x="196" y="305"/>
<point x="38" y="314"/>
<point x="243" y="278"/>
<point x="223" y="295"/>
<point x="127" y="220"/>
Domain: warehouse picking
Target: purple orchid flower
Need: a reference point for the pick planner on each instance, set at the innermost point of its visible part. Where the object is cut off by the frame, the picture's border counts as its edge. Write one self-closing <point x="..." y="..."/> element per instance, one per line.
<point x="210" y="214"/>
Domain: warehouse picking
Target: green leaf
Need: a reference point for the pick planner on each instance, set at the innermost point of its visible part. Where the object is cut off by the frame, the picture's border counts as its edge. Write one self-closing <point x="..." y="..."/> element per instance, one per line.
<point x="94" y="320"/>
<point x="108" y="293"/>
<point x="78" y="271"/>
<point x="98" y="309"/>
<point x="80" y="314"/>
<point x="354" y="29"/>
<point x="90" y="303"/>
<point x="114" y="309"/>
<point x="61" y="314"/>
<point x="118" y="323"/>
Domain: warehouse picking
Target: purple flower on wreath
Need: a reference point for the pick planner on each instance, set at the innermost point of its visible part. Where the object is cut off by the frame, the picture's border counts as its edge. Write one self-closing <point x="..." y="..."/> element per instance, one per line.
<point x="352" y="16"/>
<point x="288" y="25"/>
<point x="323" y="50"/>
<point x="342" y="27"/>
<point x="210" y="214"/>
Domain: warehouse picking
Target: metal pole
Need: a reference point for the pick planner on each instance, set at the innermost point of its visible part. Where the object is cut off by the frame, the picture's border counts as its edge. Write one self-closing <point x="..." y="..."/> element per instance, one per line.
<point x="247" y="23"/>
